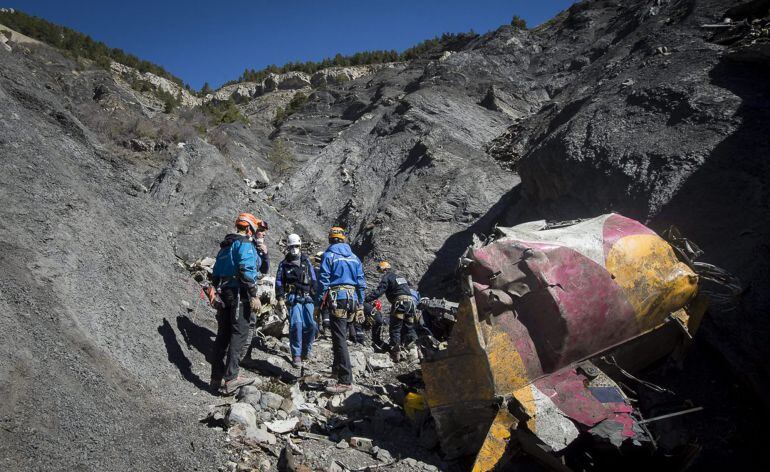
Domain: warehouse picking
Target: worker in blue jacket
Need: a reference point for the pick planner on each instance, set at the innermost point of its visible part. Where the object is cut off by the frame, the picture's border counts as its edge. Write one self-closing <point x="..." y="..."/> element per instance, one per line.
<point x="235" y="276"/>
<point x="342" y="284"/>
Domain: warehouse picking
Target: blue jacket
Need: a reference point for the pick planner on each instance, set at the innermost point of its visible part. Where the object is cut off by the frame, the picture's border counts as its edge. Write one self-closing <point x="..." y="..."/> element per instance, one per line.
<point x="339" y="266"/>
<point x="237" y="262"/>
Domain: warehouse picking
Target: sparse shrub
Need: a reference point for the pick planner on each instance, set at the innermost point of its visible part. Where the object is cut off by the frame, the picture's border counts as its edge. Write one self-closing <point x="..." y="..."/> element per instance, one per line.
<point x="518" y="22"/>
<point x="224" y="112"/>
<point x="205" y="90"/>
<point x="220" y="140"/>
<point x="104" y="62"/>
<point x="446" y="42"/>
<point x="281" y="157"/>
<point x="296" y="102"/>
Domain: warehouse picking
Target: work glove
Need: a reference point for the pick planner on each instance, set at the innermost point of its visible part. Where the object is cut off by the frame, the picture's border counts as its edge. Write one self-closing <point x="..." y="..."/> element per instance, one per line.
<point x="282" y="303"/>
<point x="359" y="317"/>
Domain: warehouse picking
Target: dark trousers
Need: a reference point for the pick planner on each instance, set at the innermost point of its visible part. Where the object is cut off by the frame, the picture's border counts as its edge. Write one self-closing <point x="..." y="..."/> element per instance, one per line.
<point x="356" y="332"/>
<point x="339" y="334"/>
<point x="232" y="333"/>
<point x="402" y="329"/>
<point x="377" y="329"/>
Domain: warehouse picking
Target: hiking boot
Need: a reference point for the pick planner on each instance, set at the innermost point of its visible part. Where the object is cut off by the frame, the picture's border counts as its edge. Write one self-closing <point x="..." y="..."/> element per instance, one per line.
<point x="215" y="385"/>
<point x="231" y="386"/>
<point x="297" y="362"/>
<point x="338" y="388"/>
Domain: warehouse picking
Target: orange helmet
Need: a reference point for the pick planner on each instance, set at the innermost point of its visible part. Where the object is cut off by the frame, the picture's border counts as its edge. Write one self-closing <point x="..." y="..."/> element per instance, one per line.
<point x="383" y="266"/>
<point x="249" y="221"/>
<point x="337" y="233"/>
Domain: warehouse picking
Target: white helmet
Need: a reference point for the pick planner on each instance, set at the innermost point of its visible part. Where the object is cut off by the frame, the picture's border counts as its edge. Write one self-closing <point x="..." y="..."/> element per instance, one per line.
<point x="293" y="240"/>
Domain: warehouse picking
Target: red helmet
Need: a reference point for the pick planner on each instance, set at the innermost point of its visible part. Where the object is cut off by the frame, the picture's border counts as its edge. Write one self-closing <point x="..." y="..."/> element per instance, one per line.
<point x="378" y="305"/>
<point x="247" y="220"/>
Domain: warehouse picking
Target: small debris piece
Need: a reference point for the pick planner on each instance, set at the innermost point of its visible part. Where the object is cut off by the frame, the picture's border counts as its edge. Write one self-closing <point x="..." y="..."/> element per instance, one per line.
<point x="361" y="444"/>
<point x="342" y="444"/>
<point x="282" y="426"/>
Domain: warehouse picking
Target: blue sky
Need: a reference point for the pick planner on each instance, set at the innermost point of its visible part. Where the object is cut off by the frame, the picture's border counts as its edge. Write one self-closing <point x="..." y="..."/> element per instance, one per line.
<point x="214" y="41"/>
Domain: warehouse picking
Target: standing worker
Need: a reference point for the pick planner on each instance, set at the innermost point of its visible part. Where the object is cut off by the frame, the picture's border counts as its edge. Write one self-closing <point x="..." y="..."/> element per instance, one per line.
<point x="235" y="276"/>
<point x="342" y="283"/>
<point x="296" y="287"/>
<point x="323" y="323"/>
<point x="402" y="307"/>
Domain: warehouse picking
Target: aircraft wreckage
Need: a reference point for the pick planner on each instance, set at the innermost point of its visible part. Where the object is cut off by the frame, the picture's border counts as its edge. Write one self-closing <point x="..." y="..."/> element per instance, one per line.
<point x="551" y="318"/>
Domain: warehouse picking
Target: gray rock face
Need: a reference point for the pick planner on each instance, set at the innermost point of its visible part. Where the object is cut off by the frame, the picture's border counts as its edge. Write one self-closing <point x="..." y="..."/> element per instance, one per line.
<point x="669" y="138"/>
<point x="413" y="158"/>
<point x="288" y="81"/>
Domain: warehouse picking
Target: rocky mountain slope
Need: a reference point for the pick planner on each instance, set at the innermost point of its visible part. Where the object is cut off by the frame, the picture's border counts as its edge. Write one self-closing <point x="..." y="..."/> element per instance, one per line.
<point x="634" y="108"/>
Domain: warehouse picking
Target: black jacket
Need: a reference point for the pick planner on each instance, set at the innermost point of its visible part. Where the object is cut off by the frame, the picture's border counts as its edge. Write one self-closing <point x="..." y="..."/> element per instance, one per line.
<point x="297" y="274"/>
<point x="392" y="285"/>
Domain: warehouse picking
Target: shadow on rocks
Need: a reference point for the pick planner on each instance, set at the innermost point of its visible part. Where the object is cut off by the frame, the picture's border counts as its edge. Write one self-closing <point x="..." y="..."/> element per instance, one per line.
<point x="440" y="279"/>
<point x="177" y="357"/>
<point x="196" y="336"/>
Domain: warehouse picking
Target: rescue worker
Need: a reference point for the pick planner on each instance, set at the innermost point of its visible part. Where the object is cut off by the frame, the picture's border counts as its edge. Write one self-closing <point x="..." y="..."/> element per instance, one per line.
<point x="295" y="288"/>
<point x="322" y="323"/>
<point x="374" y="320"/>
<point x="259" y="243"/>
<point x="342" y="285"/>
<point x="234" y="275"/>
<point x="402" y="307"/>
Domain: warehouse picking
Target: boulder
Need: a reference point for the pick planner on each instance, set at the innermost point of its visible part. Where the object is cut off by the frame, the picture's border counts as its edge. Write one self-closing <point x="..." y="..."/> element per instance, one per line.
<point x="271" y="400"/>
<point x="242" y="414"/>
<point x="248" y="390"/>
<point x="288" y="405"/>
<point x="253" y="400"/>
<point x="259" y="435"/>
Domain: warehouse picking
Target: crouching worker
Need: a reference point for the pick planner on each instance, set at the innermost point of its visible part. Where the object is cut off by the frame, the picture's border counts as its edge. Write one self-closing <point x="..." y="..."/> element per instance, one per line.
<point x="375" y="321"/>
<point x="342" y="284"/>
<point x="235" y="275"/>
<point x="295" y="288"/>
<point x="402" y="311"/>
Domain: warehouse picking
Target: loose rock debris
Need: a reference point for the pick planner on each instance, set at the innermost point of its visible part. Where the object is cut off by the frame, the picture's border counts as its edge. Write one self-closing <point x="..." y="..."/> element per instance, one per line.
<point x="286" y="421"/>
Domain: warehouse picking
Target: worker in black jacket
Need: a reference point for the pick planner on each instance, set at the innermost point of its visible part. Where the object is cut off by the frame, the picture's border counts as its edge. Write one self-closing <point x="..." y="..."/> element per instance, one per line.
<point x="402" y="307"/>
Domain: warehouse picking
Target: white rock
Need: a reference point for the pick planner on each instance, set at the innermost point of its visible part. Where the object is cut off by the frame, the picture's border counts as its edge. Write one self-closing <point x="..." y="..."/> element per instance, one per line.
<point x="282" y="426"/>
<point x="242" y="414"/>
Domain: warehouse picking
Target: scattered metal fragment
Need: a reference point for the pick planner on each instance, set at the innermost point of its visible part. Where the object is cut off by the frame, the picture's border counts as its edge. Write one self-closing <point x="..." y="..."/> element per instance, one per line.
<point x="671" y="415"/>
